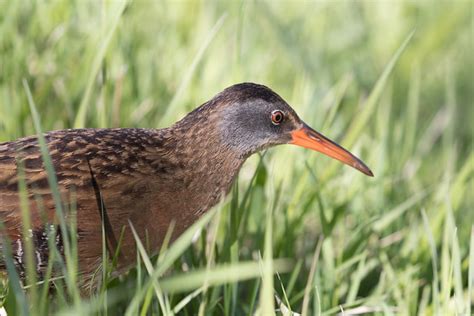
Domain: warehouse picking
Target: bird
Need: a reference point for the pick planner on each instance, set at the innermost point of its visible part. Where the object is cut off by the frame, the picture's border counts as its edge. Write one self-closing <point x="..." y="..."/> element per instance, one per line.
<point x="148" y="178"/>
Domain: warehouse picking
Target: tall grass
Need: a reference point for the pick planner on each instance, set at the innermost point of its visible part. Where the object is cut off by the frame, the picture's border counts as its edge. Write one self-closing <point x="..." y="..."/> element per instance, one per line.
<point x="390" y="81"/>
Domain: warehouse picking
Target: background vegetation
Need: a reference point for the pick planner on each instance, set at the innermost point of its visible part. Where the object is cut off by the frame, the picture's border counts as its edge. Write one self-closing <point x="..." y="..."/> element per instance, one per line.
<point x="391" y="81"/>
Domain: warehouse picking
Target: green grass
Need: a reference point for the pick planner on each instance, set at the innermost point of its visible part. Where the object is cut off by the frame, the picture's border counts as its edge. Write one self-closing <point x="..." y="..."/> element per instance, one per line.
<point x="393" y="82"/>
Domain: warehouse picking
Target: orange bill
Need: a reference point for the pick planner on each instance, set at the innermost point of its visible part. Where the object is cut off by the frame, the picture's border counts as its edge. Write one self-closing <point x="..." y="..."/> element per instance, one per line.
<point x="309" y="138"/>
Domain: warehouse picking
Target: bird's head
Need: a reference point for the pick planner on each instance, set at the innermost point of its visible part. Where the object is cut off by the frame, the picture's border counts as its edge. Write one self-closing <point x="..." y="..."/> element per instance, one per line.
<point x="252" y="117"/>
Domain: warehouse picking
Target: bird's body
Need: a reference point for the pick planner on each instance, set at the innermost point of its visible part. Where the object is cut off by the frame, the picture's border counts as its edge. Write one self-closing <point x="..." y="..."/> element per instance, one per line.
<point x="146" y="177"/>
<point x="135" y="174"/>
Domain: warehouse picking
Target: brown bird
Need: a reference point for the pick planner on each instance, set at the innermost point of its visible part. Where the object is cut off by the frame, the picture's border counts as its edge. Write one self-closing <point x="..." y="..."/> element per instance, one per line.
<point x="150" y="177"/>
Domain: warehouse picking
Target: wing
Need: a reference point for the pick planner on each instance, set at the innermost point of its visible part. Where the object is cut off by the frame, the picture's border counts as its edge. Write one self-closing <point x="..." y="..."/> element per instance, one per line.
<point x="101" y="175"/>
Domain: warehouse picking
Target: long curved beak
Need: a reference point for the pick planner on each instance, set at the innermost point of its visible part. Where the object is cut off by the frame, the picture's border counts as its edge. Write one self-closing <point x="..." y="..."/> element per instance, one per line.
<point x="309" y="138"/>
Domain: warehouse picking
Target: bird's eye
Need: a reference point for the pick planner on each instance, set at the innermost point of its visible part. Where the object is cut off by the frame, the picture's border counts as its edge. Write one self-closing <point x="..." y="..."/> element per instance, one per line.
<point x="277" y="117"/>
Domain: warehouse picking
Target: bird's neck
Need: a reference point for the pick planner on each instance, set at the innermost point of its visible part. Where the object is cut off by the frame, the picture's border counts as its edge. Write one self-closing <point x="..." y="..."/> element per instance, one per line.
<point x="208" y="157"/>
<point x="207" y="167"/>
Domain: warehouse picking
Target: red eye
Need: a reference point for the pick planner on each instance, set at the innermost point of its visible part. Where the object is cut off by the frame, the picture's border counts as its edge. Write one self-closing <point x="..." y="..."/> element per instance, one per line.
<point x="277" y="117"/>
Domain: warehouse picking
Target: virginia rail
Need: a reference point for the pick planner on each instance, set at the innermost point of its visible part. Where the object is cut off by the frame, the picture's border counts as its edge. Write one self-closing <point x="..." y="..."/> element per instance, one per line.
<point x="149" y="177"/>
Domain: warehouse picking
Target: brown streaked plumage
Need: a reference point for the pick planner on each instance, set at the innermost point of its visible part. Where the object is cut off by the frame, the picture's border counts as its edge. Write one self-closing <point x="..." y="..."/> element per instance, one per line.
<point x="150" y="177"/>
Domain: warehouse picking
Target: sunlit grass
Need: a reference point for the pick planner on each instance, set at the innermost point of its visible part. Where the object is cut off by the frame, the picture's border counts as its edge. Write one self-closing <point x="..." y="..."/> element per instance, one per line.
<point x="392" y="82"/>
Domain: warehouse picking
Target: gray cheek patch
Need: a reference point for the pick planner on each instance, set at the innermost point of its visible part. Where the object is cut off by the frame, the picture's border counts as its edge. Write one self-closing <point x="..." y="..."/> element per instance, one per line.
<point x="244" y="128"/>
<point x="247" y="127"/>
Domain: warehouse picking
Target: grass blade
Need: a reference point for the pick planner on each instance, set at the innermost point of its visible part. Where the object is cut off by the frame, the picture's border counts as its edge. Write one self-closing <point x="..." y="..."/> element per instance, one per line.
<point x="362" y="118"/>
<point x="80" y="119"/>
<point x="53" y="185"/>
<point x="169" y="256"/>
<point x="267" y="304"/>
<point x="309" y="284"/>
<point x="148" y="265"/>
<point x="170" y="112"/>
<point x="20" y="305"/>
<point x="219" y="275"/>
<point x="470" y="281"/>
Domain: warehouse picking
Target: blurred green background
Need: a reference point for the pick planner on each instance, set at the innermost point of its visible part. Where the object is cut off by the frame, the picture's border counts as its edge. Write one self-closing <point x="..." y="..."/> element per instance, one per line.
<point x="392" y="81"/>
